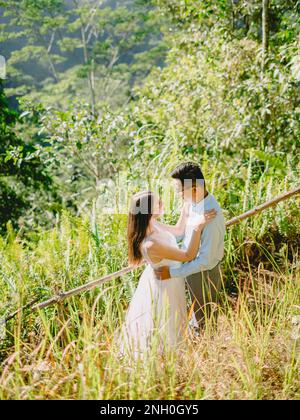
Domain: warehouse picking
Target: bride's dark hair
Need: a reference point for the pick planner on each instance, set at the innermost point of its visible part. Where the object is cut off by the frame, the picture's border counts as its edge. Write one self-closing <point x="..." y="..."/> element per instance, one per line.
<point x="140" y="213"/>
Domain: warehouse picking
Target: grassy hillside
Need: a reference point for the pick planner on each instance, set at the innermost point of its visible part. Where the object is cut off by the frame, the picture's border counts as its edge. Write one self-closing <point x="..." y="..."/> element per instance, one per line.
<point x="226" y="98"/>
<point x="69" y="351"/>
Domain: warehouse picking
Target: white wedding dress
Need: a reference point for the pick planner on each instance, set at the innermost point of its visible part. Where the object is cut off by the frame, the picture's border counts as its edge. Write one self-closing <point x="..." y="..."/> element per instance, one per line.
<point x="157" y="314"/>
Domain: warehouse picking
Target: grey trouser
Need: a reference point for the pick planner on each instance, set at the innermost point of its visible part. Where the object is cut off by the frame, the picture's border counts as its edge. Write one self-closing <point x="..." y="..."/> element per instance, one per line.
<point x="204" y="288"/>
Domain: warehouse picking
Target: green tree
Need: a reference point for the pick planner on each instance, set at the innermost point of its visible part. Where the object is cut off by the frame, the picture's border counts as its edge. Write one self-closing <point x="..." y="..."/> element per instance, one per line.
<point x="36" y="27"/>
<point x="85" y="151"/>
<point x="22" y="174"/>
<point x="89" y="50"/>
<point x="213" y="97"/>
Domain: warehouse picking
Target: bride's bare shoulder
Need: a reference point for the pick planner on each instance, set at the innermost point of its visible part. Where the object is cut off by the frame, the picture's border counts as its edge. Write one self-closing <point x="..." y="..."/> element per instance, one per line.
<point x="152" y="242"/>
<point x="151" y="247"/>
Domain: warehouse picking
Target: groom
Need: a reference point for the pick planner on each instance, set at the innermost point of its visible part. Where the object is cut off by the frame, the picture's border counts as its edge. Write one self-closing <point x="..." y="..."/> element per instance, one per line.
<point x="203" y="275"/>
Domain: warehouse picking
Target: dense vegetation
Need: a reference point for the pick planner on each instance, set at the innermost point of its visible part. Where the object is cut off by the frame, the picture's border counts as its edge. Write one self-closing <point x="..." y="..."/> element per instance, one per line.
<point x="124" y="91"/>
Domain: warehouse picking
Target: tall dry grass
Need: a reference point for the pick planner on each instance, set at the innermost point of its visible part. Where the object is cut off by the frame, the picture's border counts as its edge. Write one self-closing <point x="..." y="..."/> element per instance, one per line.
<point x="69" y="352"/>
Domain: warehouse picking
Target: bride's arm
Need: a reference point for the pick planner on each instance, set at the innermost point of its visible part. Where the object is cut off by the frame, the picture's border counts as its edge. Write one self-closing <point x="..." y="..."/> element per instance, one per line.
<point x="179" y="228"/>
<point x="157" y="249"/>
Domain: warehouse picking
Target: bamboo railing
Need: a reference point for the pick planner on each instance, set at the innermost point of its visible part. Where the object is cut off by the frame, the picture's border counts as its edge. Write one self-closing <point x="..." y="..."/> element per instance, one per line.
<point x="95" y="283"/>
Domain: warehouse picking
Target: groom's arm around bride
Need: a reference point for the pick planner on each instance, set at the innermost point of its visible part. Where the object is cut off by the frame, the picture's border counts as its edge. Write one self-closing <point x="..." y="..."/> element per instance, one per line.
<point x="203" y="274"/>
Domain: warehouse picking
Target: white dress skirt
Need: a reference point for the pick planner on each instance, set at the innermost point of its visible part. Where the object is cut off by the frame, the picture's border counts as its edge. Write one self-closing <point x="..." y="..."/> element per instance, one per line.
<point x="157" y="314"/>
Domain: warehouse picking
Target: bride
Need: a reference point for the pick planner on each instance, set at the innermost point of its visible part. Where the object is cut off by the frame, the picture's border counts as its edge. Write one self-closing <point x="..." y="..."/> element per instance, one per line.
<point x="157" y="314"/>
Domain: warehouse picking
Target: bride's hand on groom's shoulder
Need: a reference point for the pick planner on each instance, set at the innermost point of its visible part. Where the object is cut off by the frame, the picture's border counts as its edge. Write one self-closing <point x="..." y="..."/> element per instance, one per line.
<point x="162" y="273"/>
<point x="204" y="219"/>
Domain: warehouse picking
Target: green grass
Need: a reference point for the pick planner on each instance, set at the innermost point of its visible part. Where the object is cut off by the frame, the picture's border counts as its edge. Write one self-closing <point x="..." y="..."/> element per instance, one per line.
<point x="68" y="351"/>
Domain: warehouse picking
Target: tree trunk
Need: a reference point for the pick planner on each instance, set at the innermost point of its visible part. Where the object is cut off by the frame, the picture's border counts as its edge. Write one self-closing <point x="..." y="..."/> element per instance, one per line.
<point x="265" y="32"/>
<point x="90" y="71"/>
<point x="265" y="48"/>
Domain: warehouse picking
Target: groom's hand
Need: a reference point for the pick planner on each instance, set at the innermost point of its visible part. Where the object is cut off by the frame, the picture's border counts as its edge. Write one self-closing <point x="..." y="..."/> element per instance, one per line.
<point x="162" y="273"/>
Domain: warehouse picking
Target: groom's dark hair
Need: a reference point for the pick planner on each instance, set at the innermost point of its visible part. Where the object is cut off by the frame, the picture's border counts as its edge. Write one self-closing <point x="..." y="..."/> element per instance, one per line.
<point x="188" y="170"/>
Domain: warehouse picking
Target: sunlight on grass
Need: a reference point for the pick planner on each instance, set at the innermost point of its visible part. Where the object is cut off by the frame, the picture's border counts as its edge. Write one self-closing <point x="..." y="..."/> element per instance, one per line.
<point x="69" y="351"/>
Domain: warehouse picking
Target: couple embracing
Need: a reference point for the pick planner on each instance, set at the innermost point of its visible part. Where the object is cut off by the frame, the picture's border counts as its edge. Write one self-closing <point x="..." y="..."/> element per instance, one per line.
<point x="157" y="314"/>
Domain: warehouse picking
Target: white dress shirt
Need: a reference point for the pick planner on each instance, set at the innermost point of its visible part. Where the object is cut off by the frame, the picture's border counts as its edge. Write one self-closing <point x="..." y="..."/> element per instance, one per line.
<point x="211" y="249"/>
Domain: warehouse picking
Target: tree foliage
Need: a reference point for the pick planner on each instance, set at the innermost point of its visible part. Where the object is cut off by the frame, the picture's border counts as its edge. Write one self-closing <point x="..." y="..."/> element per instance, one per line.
<point x="227" y="92"/>
<point x="86" y="49"/>
<point x="22" y="174"/>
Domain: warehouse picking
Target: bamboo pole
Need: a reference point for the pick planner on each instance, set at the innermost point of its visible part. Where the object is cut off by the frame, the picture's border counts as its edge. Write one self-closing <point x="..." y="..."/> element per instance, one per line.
<point x="85" y="287"/>
<point x="263" y="206"/>
<point x="95" y="283"/>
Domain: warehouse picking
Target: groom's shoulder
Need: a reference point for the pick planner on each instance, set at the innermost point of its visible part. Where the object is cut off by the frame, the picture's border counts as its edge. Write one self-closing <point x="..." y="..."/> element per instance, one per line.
<point x="214" y="201"/>
<point x="215" y="204"/>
